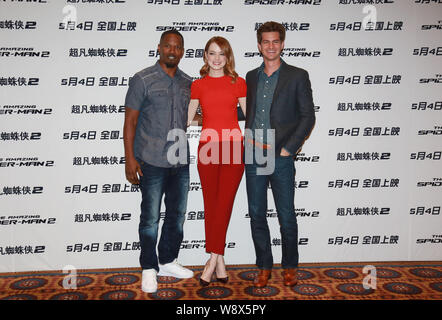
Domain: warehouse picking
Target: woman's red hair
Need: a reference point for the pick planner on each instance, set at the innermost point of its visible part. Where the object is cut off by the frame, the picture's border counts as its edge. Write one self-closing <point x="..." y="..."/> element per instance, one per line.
<point x="229" y="68"/>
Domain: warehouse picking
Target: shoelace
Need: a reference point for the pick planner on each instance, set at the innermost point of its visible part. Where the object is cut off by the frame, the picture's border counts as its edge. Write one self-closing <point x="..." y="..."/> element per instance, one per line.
<point x="179" y="265"/>
<point x="175" y="262"/>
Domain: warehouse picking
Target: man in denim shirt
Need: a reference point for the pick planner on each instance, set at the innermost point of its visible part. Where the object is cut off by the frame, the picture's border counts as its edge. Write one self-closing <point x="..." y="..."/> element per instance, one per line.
<point x="156" y="103"/>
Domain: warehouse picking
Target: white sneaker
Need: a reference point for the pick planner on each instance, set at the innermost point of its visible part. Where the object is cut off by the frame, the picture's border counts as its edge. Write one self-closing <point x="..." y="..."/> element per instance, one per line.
<point x="174" y="269"/>
<point x="149" y="281"/>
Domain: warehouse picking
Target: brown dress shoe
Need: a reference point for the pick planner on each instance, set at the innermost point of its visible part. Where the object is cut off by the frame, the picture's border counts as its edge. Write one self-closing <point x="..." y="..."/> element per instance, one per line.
<point x="262" y="278"/>
<point x="290" y="278"/>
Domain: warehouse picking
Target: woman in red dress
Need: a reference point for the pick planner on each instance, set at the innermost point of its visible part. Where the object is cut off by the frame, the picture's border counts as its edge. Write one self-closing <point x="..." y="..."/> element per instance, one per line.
<point x="220" y="150"/>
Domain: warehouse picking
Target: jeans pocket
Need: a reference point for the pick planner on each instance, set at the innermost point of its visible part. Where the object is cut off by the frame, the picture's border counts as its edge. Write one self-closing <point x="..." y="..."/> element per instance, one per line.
<point x="286" y="158"/>
<point x="141" y="162"/>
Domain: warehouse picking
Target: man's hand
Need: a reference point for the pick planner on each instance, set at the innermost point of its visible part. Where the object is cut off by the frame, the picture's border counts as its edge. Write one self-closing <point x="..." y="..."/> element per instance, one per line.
<point x="198" y="118"/>
<point x="133" y="170"/>
<point x="285" y="153"/>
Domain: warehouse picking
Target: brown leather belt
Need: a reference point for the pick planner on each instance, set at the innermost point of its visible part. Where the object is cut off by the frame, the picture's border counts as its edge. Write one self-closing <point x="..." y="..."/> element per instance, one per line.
<point x="259" y="144"/>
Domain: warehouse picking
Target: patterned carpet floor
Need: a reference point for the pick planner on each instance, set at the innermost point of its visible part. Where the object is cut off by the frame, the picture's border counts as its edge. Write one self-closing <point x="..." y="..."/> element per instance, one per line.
<point x="325" y="281"/>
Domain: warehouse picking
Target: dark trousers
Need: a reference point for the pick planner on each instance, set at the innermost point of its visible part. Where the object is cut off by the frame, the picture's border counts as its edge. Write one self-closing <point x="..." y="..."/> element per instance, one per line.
<point x="173" y="183"/>
<point x="282" y="182"/>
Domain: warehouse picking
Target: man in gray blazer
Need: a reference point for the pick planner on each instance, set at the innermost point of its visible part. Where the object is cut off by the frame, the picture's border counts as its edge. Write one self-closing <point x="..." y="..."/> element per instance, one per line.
<point x="279" y="97"/>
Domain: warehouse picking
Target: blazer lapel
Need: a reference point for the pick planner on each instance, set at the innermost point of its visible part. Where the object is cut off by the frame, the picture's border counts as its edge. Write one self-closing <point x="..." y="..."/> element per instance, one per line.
<point x="282" y="79"/>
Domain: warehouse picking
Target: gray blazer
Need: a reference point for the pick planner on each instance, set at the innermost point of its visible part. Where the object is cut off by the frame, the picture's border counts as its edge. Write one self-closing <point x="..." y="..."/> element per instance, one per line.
<point x="292" y="112"/>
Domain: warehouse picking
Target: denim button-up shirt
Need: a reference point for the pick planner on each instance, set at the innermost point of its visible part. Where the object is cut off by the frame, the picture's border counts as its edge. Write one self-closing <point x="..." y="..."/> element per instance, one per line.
<point x="163" y="103"/>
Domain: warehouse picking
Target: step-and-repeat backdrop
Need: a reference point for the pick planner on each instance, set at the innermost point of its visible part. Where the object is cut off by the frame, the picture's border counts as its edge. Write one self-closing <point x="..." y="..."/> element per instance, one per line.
<point x="368" y="180"/>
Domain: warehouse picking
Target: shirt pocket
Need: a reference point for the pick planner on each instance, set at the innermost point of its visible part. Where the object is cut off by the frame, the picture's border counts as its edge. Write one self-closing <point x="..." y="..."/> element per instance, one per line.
<point x="159" y="98"/>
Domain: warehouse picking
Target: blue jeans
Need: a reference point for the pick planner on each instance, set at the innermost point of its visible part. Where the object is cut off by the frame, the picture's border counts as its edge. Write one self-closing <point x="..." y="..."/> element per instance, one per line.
<point x="174" y="184"/>
<point x="282" y="181"/>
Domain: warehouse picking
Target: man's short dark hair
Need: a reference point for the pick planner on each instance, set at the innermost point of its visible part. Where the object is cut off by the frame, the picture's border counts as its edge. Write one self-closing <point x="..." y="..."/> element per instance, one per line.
<point x="172" y="31"/>
<point x="271" y="26"/>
